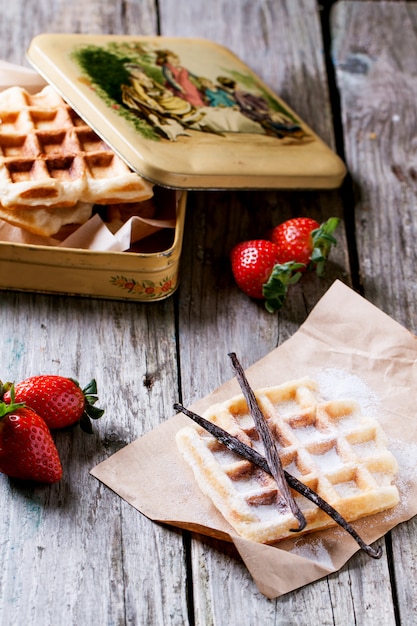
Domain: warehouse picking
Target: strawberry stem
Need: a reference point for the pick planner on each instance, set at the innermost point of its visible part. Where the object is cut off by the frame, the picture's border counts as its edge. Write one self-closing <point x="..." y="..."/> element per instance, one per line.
<point x="5" y="409"/>
<point x="4" y="387"/>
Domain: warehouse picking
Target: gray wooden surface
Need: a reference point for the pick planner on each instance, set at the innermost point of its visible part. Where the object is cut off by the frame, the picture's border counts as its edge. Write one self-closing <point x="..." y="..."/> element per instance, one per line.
<point x="74" y="553"/>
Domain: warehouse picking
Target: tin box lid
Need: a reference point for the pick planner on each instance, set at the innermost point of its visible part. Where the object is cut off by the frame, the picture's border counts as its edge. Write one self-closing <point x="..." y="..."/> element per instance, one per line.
<point x="185" y="113"/>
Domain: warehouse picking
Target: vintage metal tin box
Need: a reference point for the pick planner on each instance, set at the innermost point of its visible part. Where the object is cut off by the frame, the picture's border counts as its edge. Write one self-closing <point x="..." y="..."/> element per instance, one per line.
<point x="182" y="114"/>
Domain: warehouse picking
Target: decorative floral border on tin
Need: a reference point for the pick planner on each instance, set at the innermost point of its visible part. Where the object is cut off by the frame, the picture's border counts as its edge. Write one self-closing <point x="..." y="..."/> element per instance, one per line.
<point x="147" y="288"/>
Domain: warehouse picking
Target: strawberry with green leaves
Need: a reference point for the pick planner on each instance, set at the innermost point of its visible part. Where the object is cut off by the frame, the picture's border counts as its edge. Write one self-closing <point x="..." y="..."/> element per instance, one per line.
<point x="258" y="273"/>
<point x="264" y="269"/>
<point x="303" y="240"/>
<point x="60" y="401"/>
<point x="27" y="450"/>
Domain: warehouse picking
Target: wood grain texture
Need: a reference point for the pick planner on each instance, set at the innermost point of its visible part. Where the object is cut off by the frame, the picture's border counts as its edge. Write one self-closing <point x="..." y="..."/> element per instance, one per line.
<point x="374" y="45"/>
<point x="74" y="553"/>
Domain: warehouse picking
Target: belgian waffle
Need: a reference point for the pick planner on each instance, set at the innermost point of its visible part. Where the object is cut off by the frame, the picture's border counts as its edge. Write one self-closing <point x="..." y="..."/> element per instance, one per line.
<point x="330" y="446"/>
<point x="50" y="158"/>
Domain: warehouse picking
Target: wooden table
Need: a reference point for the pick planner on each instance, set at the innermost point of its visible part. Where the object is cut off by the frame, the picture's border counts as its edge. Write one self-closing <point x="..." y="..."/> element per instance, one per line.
<point x="75" y="553"/>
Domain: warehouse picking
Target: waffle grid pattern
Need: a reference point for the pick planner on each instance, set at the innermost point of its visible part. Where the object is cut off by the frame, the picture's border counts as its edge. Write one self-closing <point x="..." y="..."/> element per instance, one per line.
<point x="50" y="157"/>
<point x="329" y="446"/>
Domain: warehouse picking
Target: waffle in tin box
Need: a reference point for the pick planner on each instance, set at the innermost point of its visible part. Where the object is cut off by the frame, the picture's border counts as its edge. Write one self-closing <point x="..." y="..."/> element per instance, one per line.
<point x="51" y="162"/>
<point x="329" y="446"/>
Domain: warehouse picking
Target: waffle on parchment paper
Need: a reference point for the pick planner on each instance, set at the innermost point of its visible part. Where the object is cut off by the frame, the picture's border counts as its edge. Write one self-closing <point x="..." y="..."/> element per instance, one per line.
<point x="51" y="160"/>
<point x="329" y="446"/>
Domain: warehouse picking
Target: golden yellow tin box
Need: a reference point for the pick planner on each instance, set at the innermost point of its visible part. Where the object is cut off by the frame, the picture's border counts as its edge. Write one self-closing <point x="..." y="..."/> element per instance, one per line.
<point x="181" y="114"/>
<point x="143" y="276"/>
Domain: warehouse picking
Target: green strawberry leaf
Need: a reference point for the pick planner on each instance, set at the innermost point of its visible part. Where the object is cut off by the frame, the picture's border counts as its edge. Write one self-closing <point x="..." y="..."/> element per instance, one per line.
<point x="91" y="412"/>
<point x="276" y="288"/>
<point x="85" y="424"/>
<point x="91" y="388"/>
<point x="91" y="399"/>
<point x="94" y="412"/>
<point x="323" y="241"/>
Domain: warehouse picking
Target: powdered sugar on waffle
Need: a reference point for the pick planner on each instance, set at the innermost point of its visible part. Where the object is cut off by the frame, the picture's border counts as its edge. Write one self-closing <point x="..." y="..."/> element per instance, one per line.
<point x="336" y="383"/>
<point x="330" y="445"/>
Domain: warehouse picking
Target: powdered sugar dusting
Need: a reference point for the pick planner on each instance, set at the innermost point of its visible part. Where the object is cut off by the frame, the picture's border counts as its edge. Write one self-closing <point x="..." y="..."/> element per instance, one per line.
<point x="337" y="384"/>
<point x="406" y="455"/>
<point x="313" y="550"/>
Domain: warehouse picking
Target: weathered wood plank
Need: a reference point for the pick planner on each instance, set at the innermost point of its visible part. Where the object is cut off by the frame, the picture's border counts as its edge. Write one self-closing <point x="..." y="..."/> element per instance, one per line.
<point x="18" y="26"/>
<point x="374" y="47"/>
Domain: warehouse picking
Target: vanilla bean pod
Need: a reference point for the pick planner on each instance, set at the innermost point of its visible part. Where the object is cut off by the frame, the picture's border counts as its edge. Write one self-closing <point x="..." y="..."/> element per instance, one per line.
<point x="250" y="454"/>
<point x="271" y="452"/>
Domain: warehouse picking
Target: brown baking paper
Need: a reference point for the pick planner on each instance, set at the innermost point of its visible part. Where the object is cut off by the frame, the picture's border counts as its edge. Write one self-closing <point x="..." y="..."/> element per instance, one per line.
<point x="93" y="235"/>
<point x="345" y="339"/>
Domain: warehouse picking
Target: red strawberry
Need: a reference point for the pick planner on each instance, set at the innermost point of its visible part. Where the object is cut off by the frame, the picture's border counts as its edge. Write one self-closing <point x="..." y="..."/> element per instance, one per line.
<point x="303" y="240"/>
<point x="255" y="266"/>
<point x="58" y="400"/>
<point x="252" y="264"/>
<point x="27" y="450"/>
